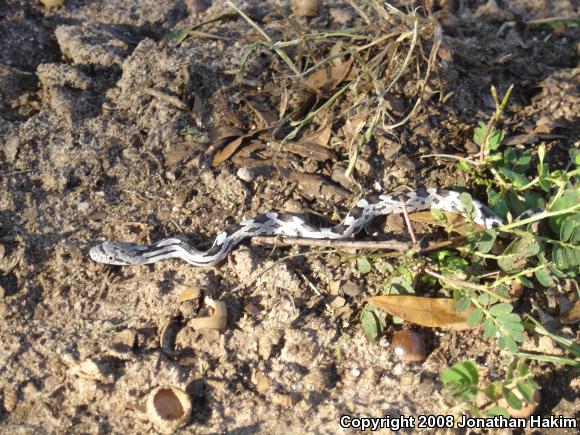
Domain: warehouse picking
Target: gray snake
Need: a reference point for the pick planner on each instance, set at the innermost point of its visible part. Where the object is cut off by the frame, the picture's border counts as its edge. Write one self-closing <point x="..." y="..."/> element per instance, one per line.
<point x="276" y="224"/>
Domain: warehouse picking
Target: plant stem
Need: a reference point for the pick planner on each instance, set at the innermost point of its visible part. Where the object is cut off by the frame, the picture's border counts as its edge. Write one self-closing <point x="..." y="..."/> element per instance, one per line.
<point x="538" y="217"/>
<point x="499" y="108"/>
<point x="461" y="283"/>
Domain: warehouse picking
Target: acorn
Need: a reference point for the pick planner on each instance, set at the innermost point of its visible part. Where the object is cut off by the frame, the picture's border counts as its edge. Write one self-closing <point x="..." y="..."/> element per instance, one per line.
<point x="169" y="408"/>
<point x="409" y="346"/>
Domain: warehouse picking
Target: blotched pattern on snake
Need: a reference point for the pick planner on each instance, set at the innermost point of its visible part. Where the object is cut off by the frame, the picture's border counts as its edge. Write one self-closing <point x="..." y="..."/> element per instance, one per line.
<point x="276" y="224"/>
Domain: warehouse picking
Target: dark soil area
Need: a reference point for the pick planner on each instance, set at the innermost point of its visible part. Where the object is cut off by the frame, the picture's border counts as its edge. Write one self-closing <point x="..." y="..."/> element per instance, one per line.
<point x="107" y="132"/>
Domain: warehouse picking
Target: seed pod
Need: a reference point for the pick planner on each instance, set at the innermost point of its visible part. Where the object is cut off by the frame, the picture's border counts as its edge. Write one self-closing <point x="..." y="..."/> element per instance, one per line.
<point x="409" y="346"/>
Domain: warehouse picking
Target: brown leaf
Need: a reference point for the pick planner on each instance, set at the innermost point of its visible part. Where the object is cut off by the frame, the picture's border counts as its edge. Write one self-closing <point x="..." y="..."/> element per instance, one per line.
<point x="266" y="116"/>
<point x="310" y="150"/>
<point x="573" y="315"/>
<point x="455" y="221"/>
<point x="315" y="186"/>
<point x="306" y="105"/>
<point x="430" y="312"/>
<point x="224" y="132"/>
<point x="229" y="150"/>
<point x="320" y="136"/>
<point x="328" y="78"/>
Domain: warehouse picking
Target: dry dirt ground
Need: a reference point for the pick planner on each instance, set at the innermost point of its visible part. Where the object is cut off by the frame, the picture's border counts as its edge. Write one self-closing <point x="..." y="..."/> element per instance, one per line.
<point x="101" y="137"/>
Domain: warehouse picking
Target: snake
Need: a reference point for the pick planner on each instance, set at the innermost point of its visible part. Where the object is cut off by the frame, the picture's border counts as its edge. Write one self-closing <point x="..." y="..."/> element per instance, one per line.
<point x="280" y="224"/>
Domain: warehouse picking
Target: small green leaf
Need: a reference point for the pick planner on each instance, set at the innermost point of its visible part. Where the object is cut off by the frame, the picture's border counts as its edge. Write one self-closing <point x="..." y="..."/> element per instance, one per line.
<point x="515" y="178"/>
<point x="501" y="309"/>
<point x="464" y="373"/>
<point x="487" y="240"/>
<point x="541" y="153"/>
<point x="517" y="336"/>
<point x="497" y="410"/>
<point x="506" y="342"/>
<point x="575" y="155"/>
<point x="525" y="281"/>
<point x="523" y="369"/>
<point x="494" y="139"/>
<point x="479" y="133"/>
<point x="468" y="206"/>
<point x="490" y="329"/>
<point x="438" y="215"/>
<point x="463" y="303"/>
<point x="511" y="318"/>
<point x="526" y="390"/>
<point x="363" y="265"/>
<point x="372" y="322"/>
<point x="383" y="267"/>
<point x="567" y="229"/>
<point x="463" y="166"/>
<point x="516" y="254"/>
<point x="475" y="317"/>
<point x="544" y="278"/>
<point x="568" y="199"/>
<point x="486" y="299"/>
<point x="512" y="400"/>
<point x="493" y="391"/>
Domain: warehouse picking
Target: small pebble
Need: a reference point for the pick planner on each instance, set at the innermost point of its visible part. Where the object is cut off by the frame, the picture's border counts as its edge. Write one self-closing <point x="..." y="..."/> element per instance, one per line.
<point x="245" y="174"/>
<point x="306" y="8"/>
<point x="83" y="207"/>
<point x="341" y="16"/>
<point x="293" y="206"/>
<point x="350" y="288"/>
<point x="198" y="6"/>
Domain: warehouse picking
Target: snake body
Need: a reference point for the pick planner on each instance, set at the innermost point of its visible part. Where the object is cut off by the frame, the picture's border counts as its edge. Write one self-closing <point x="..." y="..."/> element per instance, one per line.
<point x="276" y="224"/>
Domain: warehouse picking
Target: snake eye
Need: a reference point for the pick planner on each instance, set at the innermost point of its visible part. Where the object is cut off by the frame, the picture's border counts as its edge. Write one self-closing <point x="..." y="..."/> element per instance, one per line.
<point x="110" y="258"/>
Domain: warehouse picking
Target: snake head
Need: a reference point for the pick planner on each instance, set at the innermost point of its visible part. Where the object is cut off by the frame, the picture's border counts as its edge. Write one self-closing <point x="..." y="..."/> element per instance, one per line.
<point x="116" y="253"/>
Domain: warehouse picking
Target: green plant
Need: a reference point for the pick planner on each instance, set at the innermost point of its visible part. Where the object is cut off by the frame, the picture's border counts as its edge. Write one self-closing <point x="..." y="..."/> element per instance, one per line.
<point x="461" y="383"/>
<point x="541" y="206"/>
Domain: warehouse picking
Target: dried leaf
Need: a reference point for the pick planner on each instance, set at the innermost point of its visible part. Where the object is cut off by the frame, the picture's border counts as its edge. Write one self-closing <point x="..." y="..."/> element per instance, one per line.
<point x="320" y="136"/>
<point x="328" y="78"/>
<point x="188" y="293"/>
<point x="229" y="150"/>
<point x="430" y="312"/>
<point x="316" y="186"/>
<point x="224" y="132"/>
<point x="305" y="107"/>
<point x="266" y="116"/>
<point x="310" y="150"/>
<point x="455" y="222"/>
